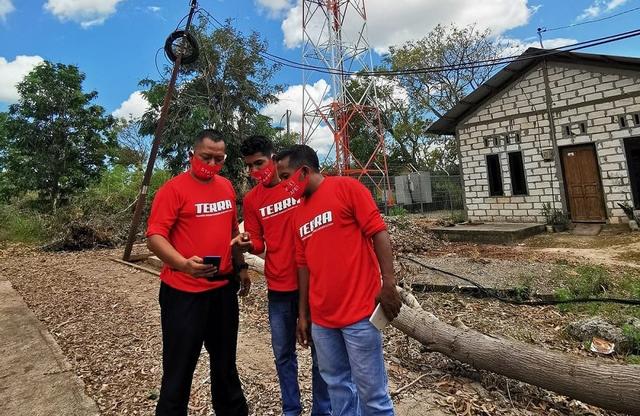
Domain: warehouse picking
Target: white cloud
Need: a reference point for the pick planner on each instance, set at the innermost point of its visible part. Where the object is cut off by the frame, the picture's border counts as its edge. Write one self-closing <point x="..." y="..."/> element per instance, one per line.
<point x="12" y="73"/>
<point x="599" y="7"/>
<point x="291" y="99"/>
<point x="411" y="19"/>
<point x="154" y="9"/>
<point x="6" y="7"/>
<point x="86" y="12"/>
<point x="274" y="7"/>
<point x="133" y="108"/>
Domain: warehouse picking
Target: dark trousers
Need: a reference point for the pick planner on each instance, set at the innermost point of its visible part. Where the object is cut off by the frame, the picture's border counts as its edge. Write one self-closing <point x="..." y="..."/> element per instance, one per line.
<point x="188" y="321"/>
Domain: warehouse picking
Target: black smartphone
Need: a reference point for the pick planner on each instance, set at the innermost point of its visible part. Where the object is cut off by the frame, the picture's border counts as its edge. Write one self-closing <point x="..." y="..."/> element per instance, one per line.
<point x="212" y="260"/>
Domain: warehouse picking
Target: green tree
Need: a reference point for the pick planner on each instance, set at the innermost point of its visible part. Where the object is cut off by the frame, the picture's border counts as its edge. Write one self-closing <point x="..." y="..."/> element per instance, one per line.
<point x="133" y="148"/>
<point x="56" y="141"/>
<point x="5" y="184"/>
<point x="432" y="93"/>
<point x="224" y="90"/>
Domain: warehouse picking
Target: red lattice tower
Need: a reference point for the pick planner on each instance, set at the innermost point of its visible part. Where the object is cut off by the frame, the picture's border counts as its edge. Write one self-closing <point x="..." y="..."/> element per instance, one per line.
<point x="335" y="39"/>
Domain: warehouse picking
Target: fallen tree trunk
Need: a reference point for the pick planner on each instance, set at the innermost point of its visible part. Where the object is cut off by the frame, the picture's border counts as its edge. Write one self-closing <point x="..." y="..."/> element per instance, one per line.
<point x="609" y="386"/>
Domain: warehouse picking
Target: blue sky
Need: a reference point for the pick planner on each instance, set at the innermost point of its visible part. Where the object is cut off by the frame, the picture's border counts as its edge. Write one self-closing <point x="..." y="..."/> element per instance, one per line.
<point x="114" y="42"/>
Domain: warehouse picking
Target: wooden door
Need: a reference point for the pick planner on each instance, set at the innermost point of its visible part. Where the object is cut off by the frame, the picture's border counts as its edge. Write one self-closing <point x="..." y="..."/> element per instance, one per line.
<point x="582" y="182"/>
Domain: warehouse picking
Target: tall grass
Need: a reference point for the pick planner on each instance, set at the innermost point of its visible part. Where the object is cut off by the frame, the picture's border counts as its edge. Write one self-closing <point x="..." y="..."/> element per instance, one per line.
<point x="22" y="225"/>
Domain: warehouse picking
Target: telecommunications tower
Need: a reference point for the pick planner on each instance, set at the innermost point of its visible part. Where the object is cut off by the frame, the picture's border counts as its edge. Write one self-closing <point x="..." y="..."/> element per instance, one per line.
<point x="335" y="41"/>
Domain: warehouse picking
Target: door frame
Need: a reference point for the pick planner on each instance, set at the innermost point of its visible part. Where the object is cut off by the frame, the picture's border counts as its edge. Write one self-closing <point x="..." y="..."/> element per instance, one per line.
<point x="603" y="201"/>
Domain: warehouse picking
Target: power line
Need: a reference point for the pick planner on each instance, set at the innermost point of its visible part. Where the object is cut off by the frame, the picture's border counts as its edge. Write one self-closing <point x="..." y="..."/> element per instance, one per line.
<point x="544" y="29"/>
<point x="465" y="65"/>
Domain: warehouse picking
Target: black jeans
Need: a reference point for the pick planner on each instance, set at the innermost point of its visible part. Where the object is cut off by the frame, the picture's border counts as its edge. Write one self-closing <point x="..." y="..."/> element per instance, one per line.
<point x="188" y="321"/>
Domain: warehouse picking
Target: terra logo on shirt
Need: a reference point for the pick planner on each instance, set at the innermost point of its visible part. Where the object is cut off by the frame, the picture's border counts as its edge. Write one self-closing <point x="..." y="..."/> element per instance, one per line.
<point x="323" y="220"/>
<point x="210" y="209"/>
<point x="278" y="208"/>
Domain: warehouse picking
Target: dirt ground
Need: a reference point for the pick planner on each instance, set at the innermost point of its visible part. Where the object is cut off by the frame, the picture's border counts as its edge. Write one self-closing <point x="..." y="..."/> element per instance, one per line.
<point x="105" y="317"/>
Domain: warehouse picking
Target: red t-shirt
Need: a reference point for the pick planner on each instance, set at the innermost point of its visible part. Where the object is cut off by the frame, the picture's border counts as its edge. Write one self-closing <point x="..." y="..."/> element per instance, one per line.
<point x="333" y="231"/>
<point x="267" y="217"/>
<point x="198" y="219"/>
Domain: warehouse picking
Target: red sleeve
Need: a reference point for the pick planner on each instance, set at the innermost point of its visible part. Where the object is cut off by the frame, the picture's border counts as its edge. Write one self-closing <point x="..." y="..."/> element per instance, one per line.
<point x="301" y="259"/>
<point x="164" y="211"/>
<point x="252" y="225"/>
<point x="364" y="209"/>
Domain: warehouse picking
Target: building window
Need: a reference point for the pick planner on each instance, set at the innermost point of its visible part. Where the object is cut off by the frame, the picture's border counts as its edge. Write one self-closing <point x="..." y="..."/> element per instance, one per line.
<point x="516" y="168"/>
<point x="622" y="120"/>
<point x="495" y="175"/>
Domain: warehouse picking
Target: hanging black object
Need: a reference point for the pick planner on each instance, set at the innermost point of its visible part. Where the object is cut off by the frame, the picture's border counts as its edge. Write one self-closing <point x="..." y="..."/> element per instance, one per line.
<point x="194" y="52"/>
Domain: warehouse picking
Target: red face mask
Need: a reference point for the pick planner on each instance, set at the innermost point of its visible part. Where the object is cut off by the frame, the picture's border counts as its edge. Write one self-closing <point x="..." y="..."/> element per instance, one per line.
<point x="265" y="175"/>
<point x="202" y="170"/>
<point x="295" y="185"/>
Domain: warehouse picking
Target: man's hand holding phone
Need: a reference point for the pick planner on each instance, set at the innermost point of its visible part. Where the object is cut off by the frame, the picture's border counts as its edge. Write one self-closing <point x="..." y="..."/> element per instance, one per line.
<point x="196" y="267"/>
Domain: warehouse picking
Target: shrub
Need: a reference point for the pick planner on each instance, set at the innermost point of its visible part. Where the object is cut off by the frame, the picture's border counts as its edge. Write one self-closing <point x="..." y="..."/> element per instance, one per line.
<point x="554" y="216"/>
<point x="397" y="211"/>
<point x="632" y="334"/>
<point x="101" y="216"/>
<point x="22" y="225"/>
<point x="458" y="217"/>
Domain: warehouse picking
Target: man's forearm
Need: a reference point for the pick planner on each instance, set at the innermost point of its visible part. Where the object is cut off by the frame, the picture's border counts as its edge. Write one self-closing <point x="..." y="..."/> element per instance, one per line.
<point x="236" y="253"/>
<point x="384" y="253"/>
<point x="303" y="289"/>
<point x="162" y="248"/>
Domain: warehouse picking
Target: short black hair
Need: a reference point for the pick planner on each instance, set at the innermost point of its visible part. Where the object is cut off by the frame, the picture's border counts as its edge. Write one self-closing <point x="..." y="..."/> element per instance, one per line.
<point x="299" y="155"/>
<point x="256" y="144"/>
<point x="212" y="134"/>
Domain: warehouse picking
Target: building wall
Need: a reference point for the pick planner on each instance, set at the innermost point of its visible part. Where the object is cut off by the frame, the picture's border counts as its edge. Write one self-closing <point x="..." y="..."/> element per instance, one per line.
<point x="594" y="96"/>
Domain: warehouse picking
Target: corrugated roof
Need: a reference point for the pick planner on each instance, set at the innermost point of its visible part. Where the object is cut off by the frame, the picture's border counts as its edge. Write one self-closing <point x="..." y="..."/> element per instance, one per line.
<point x="447" y="123"/>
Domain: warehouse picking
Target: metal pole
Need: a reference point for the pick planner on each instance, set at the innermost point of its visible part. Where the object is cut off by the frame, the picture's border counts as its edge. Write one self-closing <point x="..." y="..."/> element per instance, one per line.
<point x="288" y="123"/>
<point x="540" y="30"/>
<point x="146" y="180"/>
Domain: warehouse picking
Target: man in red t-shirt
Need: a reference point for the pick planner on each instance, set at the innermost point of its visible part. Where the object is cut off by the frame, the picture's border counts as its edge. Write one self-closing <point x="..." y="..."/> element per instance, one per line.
<point x="268" y="209"/>
<point x="194" y="216"/>
<point x="345" y="267"/>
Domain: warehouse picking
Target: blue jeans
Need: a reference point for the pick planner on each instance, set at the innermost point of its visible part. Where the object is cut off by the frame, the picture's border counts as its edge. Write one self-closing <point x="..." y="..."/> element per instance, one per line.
<point x="283" y="318"/>
<point x="352" y="363"/>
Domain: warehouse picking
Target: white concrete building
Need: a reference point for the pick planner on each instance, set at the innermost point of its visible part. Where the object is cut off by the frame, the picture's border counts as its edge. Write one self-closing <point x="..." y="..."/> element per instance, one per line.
<point x="562" y="128"/>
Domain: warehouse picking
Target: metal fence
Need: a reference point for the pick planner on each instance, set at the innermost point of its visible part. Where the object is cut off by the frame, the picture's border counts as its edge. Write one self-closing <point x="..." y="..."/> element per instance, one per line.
<point x="443" y="198"/>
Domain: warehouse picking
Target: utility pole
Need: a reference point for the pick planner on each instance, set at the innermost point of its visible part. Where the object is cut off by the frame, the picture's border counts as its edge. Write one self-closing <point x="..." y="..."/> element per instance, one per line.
<point x="146" y="180"/>
<point x="540" y="31"/>
<point x="288" y="113"/>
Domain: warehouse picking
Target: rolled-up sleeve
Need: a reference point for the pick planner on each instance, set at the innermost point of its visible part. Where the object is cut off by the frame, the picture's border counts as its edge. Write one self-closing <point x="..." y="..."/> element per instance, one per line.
<point x="364" y="209"/>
